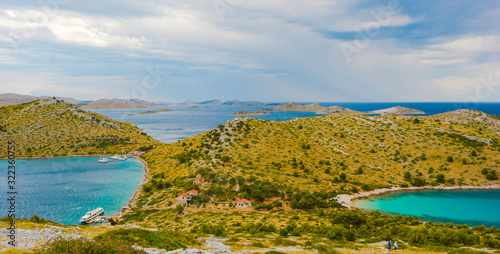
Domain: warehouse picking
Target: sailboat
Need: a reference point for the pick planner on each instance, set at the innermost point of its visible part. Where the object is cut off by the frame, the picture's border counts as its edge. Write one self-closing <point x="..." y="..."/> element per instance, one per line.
<point x="123" y="157"/>
<point x="103" y="159"/>
<point x="119" y="157"/>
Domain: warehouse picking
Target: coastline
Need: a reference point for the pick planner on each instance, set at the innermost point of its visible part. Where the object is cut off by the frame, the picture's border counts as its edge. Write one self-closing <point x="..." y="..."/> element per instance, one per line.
<point x="131" y="204"/>
<point x="347" y="200"/>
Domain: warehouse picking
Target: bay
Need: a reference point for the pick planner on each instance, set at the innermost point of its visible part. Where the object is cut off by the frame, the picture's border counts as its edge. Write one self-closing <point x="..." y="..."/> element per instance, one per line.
<point x="64" y="189"/>
<point x="471" y="207"/>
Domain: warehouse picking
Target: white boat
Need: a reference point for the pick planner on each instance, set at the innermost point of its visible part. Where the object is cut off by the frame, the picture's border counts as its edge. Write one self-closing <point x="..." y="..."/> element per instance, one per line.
<point x="103" y="159"/>
<point x="116" y="157"/>
<point x="100" y="220"/>
<point x="123" y="157"/>
<point x="91" y="215"/>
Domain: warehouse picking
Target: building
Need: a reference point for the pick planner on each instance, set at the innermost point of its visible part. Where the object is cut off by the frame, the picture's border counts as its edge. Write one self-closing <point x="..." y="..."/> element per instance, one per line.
<point x="184" y="198"/>
<point x="243" y="203"/>
<point x="192" y="193"/>
<point x="198" y="180"/>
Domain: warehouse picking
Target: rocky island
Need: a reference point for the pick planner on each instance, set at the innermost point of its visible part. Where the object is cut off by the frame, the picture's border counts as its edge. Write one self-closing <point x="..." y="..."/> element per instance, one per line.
<point x="147" y="112"/>
<point x="119" y="104"/>
<point x="251" y="113"/>
<point x="315" y="107"/>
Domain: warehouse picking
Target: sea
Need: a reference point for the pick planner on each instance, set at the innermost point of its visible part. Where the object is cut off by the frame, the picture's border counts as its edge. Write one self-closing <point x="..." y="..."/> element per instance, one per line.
<point x="182" y="122"/>
<point x="64" y="189"/>
<point x="471" y="207"/>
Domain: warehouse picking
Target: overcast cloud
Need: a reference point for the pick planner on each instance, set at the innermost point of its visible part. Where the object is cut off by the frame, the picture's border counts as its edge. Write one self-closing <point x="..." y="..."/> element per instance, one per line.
<point x="272" y="50"/>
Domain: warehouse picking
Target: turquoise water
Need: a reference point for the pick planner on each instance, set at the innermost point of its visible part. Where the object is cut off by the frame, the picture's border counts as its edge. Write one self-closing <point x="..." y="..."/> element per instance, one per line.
<point x="472" y="207"/>
<point x="64" y="189"/>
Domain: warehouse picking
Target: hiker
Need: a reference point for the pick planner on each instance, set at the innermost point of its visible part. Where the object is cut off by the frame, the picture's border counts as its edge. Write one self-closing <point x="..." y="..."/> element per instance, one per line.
<point x="395" y="245"/>
<point x="389" y="245"/>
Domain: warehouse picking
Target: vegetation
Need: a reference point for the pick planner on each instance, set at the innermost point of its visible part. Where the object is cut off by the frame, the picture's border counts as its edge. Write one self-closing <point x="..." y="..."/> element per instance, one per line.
<point x="146" y="238"/>
<point x="50" y="127"/>
<point x="88" y="247"/>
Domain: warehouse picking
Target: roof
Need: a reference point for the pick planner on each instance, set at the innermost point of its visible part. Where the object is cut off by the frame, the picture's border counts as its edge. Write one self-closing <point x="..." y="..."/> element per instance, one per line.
<point x="195" y="192"/>
<point x="183" y="195"/>
<point x="199" y="176"/>
<point x="243" y="200"/>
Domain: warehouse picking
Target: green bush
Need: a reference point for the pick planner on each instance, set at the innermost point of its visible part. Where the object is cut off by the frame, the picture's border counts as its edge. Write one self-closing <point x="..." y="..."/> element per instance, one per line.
<point x="146" y="238"/>
<point x="88" y="247"/>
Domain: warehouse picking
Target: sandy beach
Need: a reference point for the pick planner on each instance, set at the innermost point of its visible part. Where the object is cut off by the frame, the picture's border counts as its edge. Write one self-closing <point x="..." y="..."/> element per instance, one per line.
<point x="347" y="200"/>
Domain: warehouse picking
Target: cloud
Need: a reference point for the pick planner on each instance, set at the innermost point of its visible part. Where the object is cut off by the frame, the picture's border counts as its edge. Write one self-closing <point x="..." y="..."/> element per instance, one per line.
<point x="260" y="50"/>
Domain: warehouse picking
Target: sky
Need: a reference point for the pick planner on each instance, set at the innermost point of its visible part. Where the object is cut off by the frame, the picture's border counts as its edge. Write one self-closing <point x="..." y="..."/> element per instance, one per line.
<point x="264" y="50"/>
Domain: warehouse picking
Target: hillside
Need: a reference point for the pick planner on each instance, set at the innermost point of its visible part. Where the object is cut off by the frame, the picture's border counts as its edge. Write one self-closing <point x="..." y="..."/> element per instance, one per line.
<point x="335" y="153"/>
<point x="399" y="110"/>
<point x="49" y="127"/>
<point x="8" y="99"/>
<point x="119" y="104"/>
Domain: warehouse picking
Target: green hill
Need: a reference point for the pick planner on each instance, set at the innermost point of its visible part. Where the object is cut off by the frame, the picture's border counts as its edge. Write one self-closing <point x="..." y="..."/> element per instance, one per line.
<point x="336" y="153"/>
<point x="49" y="127"/>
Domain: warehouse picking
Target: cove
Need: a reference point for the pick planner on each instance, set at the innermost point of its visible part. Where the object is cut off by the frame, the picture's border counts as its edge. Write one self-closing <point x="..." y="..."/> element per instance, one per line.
<point x="64" y="189"/>
<point x="471" y="207"/>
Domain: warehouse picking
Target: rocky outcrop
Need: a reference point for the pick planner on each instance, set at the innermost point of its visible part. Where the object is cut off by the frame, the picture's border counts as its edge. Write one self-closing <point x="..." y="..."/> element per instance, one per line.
<point x="193" y="107"/>
<point x="399" y="110"/>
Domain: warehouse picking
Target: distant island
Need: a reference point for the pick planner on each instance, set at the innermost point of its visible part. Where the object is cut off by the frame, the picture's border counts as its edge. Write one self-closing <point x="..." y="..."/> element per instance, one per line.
<point x="119" y="104"/>
<point x="147" y="112"/>
<point x="251" y="113"/>
<point x="315" y="107"/>
<point x="234" y="103"/>
<point x="8" y="99"/>
<point x="193" y="107"/>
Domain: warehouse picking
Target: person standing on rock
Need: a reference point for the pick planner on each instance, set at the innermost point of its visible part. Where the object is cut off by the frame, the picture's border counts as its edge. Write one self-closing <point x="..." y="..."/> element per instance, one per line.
<point x="395" y="245"/>
<point x="389" y="245"/>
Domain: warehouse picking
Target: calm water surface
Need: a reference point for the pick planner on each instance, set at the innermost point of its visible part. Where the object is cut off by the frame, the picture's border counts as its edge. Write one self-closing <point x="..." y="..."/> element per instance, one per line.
<point x="182" y="123"/>
<point x="64" y="189"/>
<point x="472" y="207"/>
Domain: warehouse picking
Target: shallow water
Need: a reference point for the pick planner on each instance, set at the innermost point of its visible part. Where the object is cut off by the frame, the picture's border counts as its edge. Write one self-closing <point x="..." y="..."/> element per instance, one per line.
<point x="472" y="207"/>
<point x="64" y="189"/>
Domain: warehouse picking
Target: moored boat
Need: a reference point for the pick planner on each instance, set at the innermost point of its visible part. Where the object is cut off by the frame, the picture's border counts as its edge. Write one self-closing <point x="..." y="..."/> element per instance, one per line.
<point x="91" y="215"/>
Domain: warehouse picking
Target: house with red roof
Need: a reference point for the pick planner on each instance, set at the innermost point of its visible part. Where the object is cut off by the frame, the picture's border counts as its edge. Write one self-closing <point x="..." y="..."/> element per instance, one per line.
<point x="243" y="203"/>
<point x="198" y="180"/>
<point x="192" y="193"/>
<point x="184" y="198"/>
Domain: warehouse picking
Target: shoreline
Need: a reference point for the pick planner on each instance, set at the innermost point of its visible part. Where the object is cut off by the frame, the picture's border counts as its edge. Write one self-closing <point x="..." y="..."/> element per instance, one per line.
<point x="132" y="203"/>
<point x="347" y="200"/>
